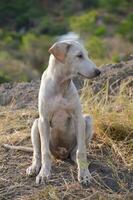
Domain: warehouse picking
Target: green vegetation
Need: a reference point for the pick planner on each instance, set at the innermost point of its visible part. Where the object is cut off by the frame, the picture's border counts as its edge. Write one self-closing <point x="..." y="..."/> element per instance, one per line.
<point x="84" y="23"/>
<point x="126" y="27"/>
<point x="35" y="49"/>
<point x="3" y="77"/>
<point x="95" y="47"/>
<point x="28" y="28"/>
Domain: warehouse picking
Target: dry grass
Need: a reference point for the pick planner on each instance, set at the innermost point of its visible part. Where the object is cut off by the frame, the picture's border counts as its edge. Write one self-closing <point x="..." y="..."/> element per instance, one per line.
<point x="113" y="119"/>
<point x="109" y="155"/>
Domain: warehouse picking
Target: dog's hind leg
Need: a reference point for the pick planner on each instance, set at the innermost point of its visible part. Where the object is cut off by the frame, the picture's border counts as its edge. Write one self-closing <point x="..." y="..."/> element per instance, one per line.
<point x="89" y="127"/>
<point x="36" y="162"/>
<point x="89" y="134"/>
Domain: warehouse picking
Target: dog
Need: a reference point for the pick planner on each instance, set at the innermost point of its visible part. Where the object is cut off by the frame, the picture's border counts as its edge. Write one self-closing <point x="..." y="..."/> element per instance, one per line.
<point x="61" y="129"/>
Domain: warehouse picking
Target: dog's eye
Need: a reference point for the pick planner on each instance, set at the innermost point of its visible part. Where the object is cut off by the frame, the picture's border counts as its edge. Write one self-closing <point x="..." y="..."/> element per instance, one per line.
<point x="80" y="56"/>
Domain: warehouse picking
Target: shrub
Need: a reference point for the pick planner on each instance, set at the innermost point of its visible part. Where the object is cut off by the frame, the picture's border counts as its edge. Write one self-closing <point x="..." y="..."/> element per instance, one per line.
<point x="88" y="23"/>
<point x="16" y="70"/>
<point x="9" y="40"/>
<point x="110" y="18"/>
<point x="4" y="55"/>
<point x="90" y="3"/>
<point x="35" y="50"/>
<point x="95" y="47"/>
<point x="4" y="78"/>
<point x="114" y="5"/>
<point x="126" y="27"/>
<point x="18" y="13"/>
<point x="116" y="58"/>
<point x="50" y="26"/>
<point x="84" y="23"/>
<point x="100" y="31"/>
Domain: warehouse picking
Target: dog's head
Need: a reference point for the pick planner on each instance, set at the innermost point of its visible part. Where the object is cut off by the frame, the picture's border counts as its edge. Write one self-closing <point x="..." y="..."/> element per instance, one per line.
<point x="75" y="59"/>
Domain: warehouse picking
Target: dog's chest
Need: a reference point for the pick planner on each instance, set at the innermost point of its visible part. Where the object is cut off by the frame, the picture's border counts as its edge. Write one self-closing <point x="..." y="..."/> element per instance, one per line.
<point x="57" y="103"/>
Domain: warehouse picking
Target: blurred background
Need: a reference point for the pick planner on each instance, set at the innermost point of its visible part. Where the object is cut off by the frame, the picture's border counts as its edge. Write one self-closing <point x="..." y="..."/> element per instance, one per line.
<point x="29" y="28"/>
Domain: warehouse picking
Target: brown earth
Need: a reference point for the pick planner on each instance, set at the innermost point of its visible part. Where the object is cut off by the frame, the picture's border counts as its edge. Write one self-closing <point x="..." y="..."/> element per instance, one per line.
<point x="112" y="178"/>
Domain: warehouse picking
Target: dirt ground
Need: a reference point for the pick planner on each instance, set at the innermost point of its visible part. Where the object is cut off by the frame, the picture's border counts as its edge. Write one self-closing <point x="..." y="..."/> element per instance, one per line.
<point x="112" y="177"/>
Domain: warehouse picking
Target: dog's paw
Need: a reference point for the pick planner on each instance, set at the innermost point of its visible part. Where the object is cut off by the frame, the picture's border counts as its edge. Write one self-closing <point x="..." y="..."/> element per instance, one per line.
<point x="43" y="176"/>
<point x="84" y="176"/>
<point x="33" y="170"/>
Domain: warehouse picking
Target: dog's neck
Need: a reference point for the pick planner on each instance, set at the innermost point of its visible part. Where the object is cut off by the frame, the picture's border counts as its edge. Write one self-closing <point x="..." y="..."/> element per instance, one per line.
<point x="58" y="74"/>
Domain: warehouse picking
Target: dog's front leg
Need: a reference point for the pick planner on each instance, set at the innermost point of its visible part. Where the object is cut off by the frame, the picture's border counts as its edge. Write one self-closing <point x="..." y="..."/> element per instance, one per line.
<point x="44" y="130"/>
<point x="81" y="157"/>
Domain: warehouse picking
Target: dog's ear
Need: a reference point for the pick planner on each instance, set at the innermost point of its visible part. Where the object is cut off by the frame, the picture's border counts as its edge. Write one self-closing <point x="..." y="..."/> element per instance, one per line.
<point x="59" y="50"/>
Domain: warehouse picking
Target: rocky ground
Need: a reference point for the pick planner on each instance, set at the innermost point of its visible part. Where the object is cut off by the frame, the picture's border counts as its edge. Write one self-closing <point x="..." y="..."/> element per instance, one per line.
<point x="112" y="177"/>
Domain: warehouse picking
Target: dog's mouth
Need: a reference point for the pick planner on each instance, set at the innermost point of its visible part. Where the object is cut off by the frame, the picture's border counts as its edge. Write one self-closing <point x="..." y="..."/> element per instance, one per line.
<point x="82" y="75"/>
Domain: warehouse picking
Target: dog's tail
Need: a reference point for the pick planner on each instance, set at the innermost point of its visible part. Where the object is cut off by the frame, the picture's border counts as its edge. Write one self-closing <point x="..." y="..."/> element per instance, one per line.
<point x="19" y="148"/>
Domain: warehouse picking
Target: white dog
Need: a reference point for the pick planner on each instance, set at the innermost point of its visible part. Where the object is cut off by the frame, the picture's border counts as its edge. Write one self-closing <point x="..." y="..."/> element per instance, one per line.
<point x="61" y="129"/>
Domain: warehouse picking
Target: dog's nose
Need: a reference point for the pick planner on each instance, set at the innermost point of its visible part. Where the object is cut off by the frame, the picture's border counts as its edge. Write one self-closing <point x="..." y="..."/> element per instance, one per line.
<point x="97" y="72"/>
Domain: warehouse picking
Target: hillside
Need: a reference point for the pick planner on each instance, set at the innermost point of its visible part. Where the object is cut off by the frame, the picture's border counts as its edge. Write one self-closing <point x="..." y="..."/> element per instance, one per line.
<point x="109" y="155"/>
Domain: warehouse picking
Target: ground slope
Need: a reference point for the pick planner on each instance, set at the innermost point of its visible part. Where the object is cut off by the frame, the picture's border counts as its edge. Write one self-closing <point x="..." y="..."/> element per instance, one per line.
<point x="110" y="160"/>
